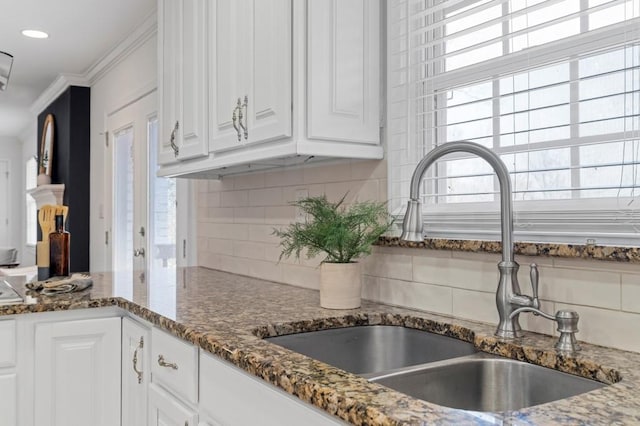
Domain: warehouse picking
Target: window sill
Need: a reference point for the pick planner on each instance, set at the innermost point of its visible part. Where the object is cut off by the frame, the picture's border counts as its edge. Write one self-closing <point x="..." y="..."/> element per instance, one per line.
<point x="595" y="252"/>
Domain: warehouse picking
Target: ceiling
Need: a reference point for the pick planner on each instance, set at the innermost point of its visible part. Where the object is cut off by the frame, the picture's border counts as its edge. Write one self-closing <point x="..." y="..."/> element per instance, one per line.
<point x="80" y="33"/>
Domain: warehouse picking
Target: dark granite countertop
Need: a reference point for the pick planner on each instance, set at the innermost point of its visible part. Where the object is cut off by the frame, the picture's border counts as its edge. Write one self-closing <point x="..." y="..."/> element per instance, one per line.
<point x="575" y="251"/>
<point x="225" y="313"/>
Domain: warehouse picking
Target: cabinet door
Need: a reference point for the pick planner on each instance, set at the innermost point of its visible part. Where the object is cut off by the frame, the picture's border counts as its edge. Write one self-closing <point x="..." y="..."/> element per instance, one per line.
<point x="166" y="410"/>
<point x="77" y="373"/>
<point x="182" y="57"/>
<point x="8" y="399"/>
<point x="343" y="70"/>
<point x="250" y="61"/>
<point x="168" y="78"/>
<point x="136" y="372"/>
<point x="267" y="73"/>
<point x="225" y="63"/>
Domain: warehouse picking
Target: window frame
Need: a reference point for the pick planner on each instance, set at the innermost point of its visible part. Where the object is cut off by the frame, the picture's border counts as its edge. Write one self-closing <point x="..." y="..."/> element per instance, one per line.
<point x="603" y="221"/>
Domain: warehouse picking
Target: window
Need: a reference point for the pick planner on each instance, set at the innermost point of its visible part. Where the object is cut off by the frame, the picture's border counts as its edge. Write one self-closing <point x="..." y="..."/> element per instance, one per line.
<point x="31" y="177"/>
<point x="551" y="86"/>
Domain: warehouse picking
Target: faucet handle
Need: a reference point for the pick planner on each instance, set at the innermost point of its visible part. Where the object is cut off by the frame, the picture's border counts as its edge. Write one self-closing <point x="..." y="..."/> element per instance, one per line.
<point x="534" y="276"/>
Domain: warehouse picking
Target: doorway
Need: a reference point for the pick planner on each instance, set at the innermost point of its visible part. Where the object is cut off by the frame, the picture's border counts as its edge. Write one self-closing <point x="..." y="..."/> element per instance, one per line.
<point x="144" y="206"/>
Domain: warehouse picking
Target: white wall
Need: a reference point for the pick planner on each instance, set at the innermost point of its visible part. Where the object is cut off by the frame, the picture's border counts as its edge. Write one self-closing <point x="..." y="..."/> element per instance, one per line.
<point x="135" y="74"/>
<point x="236" y="217"/>
<point x="28" y="141"/>
<point x="12" y="153"/>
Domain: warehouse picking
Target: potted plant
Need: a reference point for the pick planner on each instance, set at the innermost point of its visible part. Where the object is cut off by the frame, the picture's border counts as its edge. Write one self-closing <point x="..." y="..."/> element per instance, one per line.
<point x="343" y="234"/>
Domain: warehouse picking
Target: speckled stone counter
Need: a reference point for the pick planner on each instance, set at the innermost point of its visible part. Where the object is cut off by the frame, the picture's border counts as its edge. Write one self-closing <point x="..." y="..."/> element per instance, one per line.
<point x="617" y="254"/>
<point x="227" y="315"/>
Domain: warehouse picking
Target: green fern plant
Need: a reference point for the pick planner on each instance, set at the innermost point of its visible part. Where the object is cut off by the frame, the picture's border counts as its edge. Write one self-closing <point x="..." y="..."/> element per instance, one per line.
<point x="342" y="233"/>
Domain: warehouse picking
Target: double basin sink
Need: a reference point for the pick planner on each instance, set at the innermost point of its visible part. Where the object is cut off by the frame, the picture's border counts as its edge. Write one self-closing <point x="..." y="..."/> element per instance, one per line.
<point x="438" y="369"/>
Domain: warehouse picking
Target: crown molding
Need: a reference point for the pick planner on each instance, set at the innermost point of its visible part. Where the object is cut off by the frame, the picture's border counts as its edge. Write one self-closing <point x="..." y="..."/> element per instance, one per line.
<point x="98" y="69"/>
<point x="55" y="89"/>
<point x="143" y="32"/>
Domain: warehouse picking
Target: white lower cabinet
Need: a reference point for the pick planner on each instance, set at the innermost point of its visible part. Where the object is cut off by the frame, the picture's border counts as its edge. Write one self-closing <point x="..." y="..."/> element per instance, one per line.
<point x="166" y="410"/>
<point x="136" y="372"/>
<point x="8" y="376"/>
<point x="105" y="367"/>
<point x="77" y="373"/>
<point x="230" y="397"/>
<point x="8" y="399"/>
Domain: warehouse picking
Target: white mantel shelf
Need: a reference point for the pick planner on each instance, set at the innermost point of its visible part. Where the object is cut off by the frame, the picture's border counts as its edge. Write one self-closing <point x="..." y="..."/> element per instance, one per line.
<point x="47" y="194"/>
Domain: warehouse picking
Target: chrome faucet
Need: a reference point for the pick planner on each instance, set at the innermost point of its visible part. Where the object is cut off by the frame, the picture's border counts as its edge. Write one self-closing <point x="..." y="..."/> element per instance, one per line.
<point x="509" y="300"/>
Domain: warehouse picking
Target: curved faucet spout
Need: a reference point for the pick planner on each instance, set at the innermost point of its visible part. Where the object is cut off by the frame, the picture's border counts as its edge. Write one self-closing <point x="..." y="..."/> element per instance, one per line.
<point x="506" y="208"/>
<point x="508" y="297"/>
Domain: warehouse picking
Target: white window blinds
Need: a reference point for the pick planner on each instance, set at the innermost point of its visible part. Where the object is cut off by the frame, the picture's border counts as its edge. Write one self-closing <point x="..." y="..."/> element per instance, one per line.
<point x="552" y="86"/>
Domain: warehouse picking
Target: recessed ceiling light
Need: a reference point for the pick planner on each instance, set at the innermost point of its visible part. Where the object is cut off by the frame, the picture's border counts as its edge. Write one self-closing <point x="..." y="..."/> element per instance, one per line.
<point x="34" y="34"/>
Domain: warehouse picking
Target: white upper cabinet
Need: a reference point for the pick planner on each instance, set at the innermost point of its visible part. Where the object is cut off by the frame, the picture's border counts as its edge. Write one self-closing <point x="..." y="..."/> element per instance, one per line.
<point x="182" y="80"/>
<point x="288" y="81"/>
<point x="250" y="72"/>
<point x="344" y="70"/>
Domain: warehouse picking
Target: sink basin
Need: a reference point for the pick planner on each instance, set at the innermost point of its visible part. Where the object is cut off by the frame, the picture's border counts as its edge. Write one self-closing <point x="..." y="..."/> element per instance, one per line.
<point x="368" y="349"/>
<point x="8" y="296"/>
<point x="485" y="383"/>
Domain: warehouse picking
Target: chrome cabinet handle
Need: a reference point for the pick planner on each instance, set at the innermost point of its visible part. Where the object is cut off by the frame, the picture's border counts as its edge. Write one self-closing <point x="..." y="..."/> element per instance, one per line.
<point x="163" y="363"/>
<point x="245" y="126"/>
<point x="172" y="139"/>
<point x="234" y="119"/>
<point x="135" y="360"/>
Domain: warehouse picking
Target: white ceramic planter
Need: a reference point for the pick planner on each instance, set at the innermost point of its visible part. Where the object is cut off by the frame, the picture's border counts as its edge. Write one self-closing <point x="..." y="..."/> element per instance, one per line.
<point x="340" y="285"/>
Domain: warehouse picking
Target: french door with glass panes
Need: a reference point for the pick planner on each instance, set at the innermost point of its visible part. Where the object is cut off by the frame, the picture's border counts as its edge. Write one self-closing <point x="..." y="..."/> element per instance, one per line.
<point x="143" y="224"/>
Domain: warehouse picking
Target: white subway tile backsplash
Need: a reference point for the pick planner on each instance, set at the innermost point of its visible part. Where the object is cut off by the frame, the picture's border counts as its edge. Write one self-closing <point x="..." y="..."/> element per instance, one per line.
<point x="249" y="215"/>
<point x="203" y="244"/>
<point x="220" y="185"/>
<point x="266" y="197"/>
<point x="475" y="305"/>
<point x="220" y="246"/>
<point x="202" y="214"/>
<point x="280" y="215"/>
<point x="208" y="260"/>
<point x="631" y="293"/>
<point x="202" y="200"/>
<point x="301" y="276"/>
<point x="366" y="170"/>
<point x="234" y="199"/>
<point x="249" y="181"/>
<point x="202" y="185"/>
<point x="214" y="199"/>
<point x="425" y="297"/>
<point x="270" y="271"/>
<point x="388" y="266"/>
<point x="262" y="233"/>
<point x="340" y="172"/>
<point x="249" y="249"/>
<point x="221" y="214"/>
<point x="468" y="274"/>
<point x="580" y="287"/>
<point x="232" y="264"/>
<point x="225" y="231"/>
<point x="282" y="178"/>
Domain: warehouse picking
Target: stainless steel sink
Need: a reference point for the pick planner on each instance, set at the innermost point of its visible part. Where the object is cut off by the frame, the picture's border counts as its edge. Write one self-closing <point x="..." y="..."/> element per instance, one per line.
<point x="369" y="349"/>
<point x="8" y="296"/>
<point x="485" y="383"/>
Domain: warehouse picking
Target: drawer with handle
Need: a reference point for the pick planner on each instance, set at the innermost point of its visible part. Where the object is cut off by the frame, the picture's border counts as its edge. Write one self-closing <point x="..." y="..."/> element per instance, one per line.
<point x="174" y="365"/>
